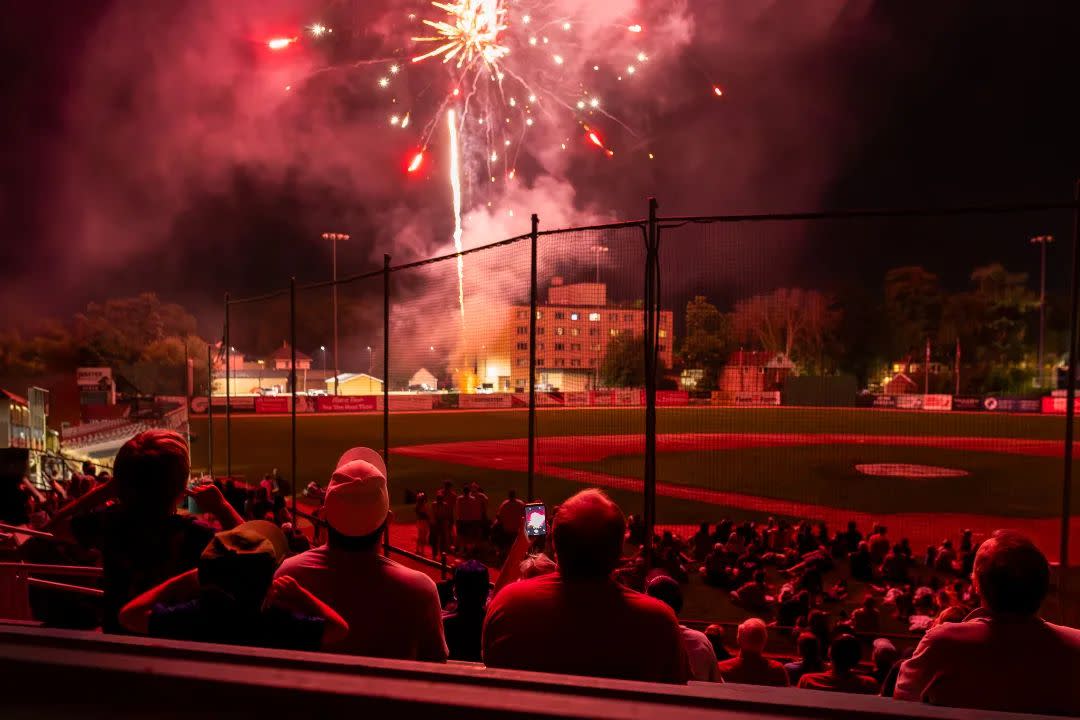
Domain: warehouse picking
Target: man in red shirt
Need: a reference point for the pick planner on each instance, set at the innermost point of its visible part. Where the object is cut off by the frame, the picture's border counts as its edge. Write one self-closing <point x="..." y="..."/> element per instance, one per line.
<point x="1003" y="656"/>
<point x="845" y="653"/>
<point x="578" y="620"/>
<point x="750" y="666"/>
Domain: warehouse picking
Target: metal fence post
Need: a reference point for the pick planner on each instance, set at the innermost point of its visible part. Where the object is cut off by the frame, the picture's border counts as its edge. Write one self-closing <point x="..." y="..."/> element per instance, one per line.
<point x="210" y="409"/>
<point x="228" y="395"/>
<point x="1070" y="410"/>
<point x="533" y="242"/>
<point x="386" y="380"/>
<point x="651" y="301"/>
<point x="292" y="388"/>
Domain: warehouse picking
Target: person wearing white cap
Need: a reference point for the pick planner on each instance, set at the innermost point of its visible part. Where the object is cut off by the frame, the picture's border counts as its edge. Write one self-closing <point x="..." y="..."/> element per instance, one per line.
<point x="392" y="611"/>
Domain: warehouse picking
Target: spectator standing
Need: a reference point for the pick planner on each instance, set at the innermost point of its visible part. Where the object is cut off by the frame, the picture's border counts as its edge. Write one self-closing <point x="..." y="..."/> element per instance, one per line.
<point x="750" y="666"/>
<point x="699" y="649"/>
<point x="470" y="518"/>
<point x="1003" y="656"/>
<point x="844" y="653"/>
<point x="464" y="624"/>
<point x="879" y="544"/>
<point x="391" y="611"/>
<point x="233" y="598"/>
<point x="132" y="520"/>
<point x="423" y="523"/>
<point x="578" y="620"/>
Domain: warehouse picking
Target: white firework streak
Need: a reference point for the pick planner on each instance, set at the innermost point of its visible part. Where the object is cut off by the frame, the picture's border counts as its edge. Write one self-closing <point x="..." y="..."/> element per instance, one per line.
<point x="455" y="186"/>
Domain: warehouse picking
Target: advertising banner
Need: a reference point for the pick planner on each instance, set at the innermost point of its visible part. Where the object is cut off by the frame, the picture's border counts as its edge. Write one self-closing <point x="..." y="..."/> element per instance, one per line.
<point x="967" y="404"/>
<point x="752" y="399"/>
<point x="909" y="402"/>
<point x="405" y="403"/>
<point x="1058" y="405"/>
<point x="345" y="403"/>
<point x="672" y="398"/>
<point x="1012" y="405"/>
<point x="242" y="404"/>
<point x="885" y="401"/>
<point x="278" y="404"/>
<point x="937" y="403"/>
<point x="474" y="402"/>
<point x="576" y="399"/>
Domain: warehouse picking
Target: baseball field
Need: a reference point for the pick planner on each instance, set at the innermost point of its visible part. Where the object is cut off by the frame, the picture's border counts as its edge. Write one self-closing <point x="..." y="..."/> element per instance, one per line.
<point x="924" y="475"/>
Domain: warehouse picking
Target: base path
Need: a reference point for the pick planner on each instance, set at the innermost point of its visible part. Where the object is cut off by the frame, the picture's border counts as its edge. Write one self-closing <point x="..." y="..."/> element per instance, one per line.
<point x="922" y="529"/>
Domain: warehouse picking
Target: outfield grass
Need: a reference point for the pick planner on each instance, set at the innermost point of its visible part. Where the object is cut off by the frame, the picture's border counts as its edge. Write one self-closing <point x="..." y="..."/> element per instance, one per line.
<point x="999" y="484"/>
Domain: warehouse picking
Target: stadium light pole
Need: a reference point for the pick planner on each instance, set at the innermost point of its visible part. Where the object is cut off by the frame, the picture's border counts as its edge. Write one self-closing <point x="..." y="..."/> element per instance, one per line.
<point x="1042" y="241"/>
<point x="334" y="238"/>
<point x="597" y="251"/>
<point x="370" y="360"/>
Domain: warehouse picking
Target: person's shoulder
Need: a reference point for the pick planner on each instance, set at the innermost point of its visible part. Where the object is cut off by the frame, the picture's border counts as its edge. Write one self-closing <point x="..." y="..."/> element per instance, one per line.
<point x="407" y="577"/>
<point x="313" y="559"/>
<point x="649" y="606"/>
<point x="533" y="591"/>
<point x="1070" y="635"/>
<point x="814" y="680"/>
<point x="729" y="664"/>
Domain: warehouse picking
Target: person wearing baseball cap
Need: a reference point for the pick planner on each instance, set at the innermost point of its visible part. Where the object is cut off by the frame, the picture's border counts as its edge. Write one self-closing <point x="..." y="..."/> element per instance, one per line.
<point x="392" y="611"/>
<point x="232" y="597"/>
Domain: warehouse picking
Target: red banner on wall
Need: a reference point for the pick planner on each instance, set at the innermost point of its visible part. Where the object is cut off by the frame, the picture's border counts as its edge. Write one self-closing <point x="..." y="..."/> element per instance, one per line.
<point x="346" y="403"/>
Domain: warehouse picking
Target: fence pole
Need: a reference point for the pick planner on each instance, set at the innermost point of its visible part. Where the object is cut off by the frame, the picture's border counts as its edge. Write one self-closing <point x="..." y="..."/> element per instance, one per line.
<point x="386" y="381"/>
<point x="292" y="389"/>
<point x="651" y="259"/>
<point x="1070" y="410"/>
<point x="228" y="394"/>
<point x="210" y="408"/>
<point x="533" y="241"/>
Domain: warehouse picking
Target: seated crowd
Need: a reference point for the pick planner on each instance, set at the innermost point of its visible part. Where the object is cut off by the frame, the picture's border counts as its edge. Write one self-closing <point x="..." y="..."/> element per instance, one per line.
<point x="569" y="602"/>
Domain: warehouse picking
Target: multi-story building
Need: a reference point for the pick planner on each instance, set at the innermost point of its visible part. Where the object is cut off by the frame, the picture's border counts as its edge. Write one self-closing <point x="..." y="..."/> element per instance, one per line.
<point x="573" y="329"/>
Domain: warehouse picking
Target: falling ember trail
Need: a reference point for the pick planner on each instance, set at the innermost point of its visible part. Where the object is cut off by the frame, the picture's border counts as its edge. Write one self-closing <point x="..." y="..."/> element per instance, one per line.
<point x="455" y="186"/>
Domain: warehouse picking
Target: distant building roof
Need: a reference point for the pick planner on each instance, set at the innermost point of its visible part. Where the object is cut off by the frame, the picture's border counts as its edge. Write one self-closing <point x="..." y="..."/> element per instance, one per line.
<point x="346" y="377"/>
<point x="285" y="353"/>
<point x="18" y="399"/>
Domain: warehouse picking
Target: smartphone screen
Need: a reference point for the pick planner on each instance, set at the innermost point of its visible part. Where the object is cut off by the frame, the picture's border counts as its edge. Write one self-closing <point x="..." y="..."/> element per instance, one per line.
<point x="535" y="520"/>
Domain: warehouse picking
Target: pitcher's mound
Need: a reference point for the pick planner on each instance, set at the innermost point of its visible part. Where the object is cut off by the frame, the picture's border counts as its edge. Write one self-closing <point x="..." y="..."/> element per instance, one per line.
<point x="906" y="470"/>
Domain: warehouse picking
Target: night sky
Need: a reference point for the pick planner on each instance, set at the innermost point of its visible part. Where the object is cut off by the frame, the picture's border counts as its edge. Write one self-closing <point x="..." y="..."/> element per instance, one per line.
<point x="109" y="189"/>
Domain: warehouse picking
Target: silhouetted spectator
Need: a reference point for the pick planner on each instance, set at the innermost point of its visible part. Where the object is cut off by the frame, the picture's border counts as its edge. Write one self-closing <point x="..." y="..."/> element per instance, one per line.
<point x="884" y="656"/>
<point x="751" y="667"/>
<point x="463" y="625"/>
<point x="699" y="649"/>
<point x="809" y="658"/>
<point x="392" y="611"/>
<point x="866" y="619"/>
<point x="233" y="598"/>
<point x="716" y="635"/>
<point x="579" y="621"/>
<point x="143" y="541"/>
<point x="1003" y="657"/>
<point x="844" y="654"/>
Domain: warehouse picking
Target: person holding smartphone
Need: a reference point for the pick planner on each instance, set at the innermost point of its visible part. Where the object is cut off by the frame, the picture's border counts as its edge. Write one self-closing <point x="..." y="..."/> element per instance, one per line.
<point x="575" y="620"/>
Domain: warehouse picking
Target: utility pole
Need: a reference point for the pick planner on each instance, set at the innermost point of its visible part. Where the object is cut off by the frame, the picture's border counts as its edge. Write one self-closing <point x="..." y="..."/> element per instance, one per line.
<point x="334" y="238"/>
<point x="1042" y="241"/>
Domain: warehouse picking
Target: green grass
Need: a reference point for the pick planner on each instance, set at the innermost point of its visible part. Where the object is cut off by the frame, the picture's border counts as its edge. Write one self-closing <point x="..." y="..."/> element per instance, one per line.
<point x="1014" y="485"/>
<point x="824" y="474"/>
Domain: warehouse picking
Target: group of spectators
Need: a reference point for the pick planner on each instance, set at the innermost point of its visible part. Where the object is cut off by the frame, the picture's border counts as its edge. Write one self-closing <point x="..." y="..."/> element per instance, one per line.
<point x="459" y="522"/>
<point x="236" y="580"/>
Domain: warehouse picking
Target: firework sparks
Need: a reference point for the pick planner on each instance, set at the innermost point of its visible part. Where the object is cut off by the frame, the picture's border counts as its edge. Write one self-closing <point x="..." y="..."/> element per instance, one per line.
<point x="279" y="43"/>
<point x="455" y="186"/>
<point x="471" y="33"/>
<point x="417" y="161"/>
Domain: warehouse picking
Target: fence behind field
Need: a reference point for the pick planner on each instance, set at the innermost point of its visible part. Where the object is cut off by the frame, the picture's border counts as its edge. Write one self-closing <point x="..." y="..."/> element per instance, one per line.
<point x="671" y="340"/>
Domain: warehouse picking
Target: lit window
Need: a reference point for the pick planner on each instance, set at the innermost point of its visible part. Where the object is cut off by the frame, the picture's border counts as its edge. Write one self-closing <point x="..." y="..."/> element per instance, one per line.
<point x="575" y="332"/>
<point x="614" y="332"/>
<point x="594" y="317"/>
<point x="573" y="316"/>
<point x="539" y="315"/>
<point x="560" y="331"/>
<point x="663" y="333"/>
